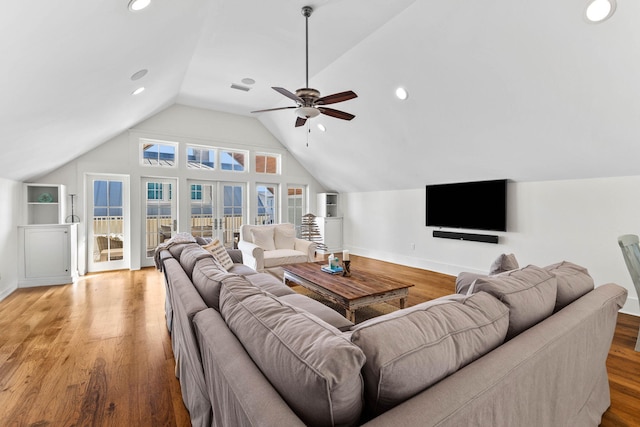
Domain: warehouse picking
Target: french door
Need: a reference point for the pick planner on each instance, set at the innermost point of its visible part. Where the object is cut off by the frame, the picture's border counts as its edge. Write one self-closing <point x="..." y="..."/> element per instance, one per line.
<point x="217" y="210"/>
<point x="108" y="217"/>
<point x="159" y="214"/>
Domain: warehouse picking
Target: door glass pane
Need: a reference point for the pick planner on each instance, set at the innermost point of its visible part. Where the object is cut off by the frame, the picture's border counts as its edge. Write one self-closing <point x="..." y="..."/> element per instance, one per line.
<point x="295" y="206"/>
<point x="266" y="204"/>
<point x="202" y="210"/>
<point x="233" y="212"/>
<point x="159" y="219"/>
<point x="108" y="222"/>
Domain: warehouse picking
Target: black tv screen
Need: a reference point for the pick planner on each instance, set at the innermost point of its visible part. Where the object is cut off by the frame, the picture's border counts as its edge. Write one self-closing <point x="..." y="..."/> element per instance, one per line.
<point x="480" y="205"/>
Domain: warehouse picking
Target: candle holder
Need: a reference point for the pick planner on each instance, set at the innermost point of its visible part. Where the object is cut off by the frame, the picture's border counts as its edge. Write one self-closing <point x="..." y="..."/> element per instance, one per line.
<point x="346" y="271"/>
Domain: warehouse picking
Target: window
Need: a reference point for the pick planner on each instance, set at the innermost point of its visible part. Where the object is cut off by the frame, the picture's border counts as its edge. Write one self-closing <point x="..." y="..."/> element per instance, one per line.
<point x="157" y="154"/>
<point x="267" y="205"/>
<point x="296" y="204"/>
<point x="154" y="191"/>
<point x="196" y="192"/>
<point x="232" y="160"/>
<point x="200" y="157"/>
<point x="267" y="163"/>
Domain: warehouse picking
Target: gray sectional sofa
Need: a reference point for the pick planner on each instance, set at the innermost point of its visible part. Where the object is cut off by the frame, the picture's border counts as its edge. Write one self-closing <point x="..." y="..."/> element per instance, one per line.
<point x="251" y="352"/>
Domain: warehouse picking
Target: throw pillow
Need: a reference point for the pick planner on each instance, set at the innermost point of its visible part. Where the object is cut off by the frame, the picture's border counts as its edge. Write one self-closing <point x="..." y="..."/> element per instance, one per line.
<point x="285" y="236"/>
<point x="220" y="254"/>
<point x="503" y="263"/>
<point x="263" y="237"/>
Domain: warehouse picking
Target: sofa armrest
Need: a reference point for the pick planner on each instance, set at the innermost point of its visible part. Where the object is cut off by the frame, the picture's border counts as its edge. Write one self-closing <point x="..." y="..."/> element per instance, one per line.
<point x="306" y="246"/>
<point x="252" y="255"/>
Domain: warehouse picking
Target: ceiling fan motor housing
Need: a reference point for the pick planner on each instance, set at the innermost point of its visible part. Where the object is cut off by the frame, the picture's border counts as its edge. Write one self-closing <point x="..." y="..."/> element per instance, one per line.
<point x="308" y="95"/>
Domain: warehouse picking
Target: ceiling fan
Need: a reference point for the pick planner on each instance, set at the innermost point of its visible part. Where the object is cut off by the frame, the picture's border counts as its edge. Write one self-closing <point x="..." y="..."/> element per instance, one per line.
<point x="308" y="101"/>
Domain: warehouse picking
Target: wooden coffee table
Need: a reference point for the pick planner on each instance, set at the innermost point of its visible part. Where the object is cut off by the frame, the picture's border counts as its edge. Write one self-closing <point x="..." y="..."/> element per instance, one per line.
<point x="360" y="290"/>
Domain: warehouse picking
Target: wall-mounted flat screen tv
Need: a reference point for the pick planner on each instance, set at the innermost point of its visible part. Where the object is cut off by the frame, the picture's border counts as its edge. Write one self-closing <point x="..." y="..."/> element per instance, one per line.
<point x="480" y="205"/>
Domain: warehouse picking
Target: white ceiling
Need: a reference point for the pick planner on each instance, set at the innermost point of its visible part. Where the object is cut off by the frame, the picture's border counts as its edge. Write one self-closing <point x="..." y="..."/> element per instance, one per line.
<point x="519" y="90"/>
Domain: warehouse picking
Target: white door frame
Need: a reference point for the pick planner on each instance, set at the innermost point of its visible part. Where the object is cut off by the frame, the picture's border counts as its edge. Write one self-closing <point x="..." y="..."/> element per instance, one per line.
<point x="170" y="197"/>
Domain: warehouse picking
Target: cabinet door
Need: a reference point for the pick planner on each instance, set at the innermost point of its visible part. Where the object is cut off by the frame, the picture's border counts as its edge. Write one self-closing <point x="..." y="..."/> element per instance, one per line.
<point x="46" y="252"/>
<point x="332" y="233"/>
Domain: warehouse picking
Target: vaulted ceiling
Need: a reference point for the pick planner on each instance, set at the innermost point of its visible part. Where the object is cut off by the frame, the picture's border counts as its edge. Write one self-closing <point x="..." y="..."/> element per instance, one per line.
<point x="519" y="90"/>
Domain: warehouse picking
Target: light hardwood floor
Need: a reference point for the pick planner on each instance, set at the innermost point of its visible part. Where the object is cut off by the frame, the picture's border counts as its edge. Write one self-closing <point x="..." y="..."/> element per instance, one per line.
<point x="98" y="352"/>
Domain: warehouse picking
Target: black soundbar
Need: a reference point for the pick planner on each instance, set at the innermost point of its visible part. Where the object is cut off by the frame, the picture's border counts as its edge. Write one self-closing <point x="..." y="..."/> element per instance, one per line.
<point x="485" y="238"/>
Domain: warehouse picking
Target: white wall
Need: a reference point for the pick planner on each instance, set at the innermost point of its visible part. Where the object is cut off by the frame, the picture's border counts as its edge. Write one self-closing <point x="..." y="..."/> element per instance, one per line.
<point x="550" y="221"/>
<point x="185" y="125"/>
<point x="10" y="197"/>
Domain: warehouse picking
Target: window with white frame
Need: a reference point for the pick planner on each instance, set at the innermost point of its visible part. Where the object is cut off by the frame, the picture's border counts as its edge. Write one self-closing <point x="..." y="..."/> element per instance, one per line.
<point x="231" y="160"/>
<point x="296" y="204"/>
<point x="267" y="203"/>
<point x="201" y="157"/>
<point x="267" y="163"/>
<point x="158" y="153"/>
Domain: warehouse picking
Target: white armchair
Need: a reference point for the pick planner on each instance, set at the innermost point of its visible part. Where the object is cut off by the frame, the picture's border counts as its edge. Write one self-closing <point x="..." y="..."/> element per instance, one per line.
<point x="267" y="247"/>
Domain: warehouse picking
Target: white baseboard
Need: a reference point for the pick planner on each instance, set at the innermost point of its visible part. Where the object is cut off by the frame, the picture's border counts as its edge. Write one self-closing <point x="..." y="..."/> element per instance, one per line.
<point x="8" y="292"/>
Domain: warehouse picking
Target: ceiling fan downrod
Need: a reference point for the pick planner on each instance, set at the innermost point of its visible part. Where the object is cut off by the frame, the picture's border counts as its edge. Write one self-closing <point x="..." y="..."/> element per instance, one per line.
<point x="306" y="12"/>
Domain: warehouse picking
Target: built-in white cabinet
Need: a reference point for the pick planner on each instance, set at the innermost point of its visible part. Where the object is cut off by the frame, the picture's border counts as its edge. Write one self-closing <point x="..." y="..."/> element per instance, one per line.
<point x="329" y="221"/>
<point x="47" y="254"/>
<point x="44" y="203"/>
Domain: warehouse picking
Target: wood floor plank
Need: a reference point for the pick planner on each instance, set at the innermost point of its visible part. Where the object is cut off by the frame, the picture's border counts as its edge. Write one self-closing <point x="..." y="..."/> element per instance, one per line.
<point x="98" y="352"/>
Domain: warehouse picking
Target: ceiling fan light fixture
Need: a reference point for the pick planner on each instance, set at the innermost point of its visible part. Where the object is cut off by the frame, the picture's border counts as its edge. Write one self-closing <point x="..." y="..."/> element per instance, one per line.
<point x="307" y="112"/>
<point x="599" y="10"/>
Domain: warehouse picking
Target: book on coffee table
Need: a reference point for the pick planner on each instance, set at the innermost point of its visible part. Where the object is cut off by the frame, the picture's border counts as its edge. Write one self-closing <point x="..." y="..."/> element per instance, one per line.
<point x="334" y="270"/>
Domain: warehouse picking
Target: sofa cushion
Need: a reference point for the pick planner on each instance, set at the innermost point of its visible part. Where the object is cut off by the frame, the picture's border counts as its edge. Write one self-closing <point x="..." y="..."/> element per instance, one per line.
<point x="318" y="309"/>
<point x="219" y="252"/>
<point x="279" y="257"/>
<point x="207" y="279"/>
<point x="530" y="294"/>
<point x="176" y="250"/>
<point x="268" y="283"/>
<point x="190" y="255"/>
<point x="503" y="263"/>
<point x="284" y="236"/>
<point x="574" y="281"/>
<point x="464" y="280"/>
<point x="409" y="350"/>
<point x="241" y="270"/>
<point x="311" y="364"/>
<point x="263" y="237"/>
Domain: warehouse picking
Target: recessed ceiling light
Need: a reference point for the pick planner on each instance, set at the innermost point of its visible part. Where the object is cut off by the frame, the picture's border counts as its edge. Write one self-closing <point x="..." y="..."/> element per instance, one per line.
<point x="139" y="74"/>
<point x="136" y="5"/>
<point x="248" y="81"/>
<point x="599" y="10"/>
<point x="402" y="93"/>
<point x="138" y="91"/>
<point x="321" y="127"/>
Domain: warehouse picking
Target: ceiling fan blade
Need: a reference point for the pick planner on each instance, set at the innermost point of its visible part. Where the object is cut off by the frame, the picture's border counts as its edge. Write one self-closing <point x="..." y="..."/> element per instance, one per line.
<point x="273" y="109"/>
<point x="336" y="113"/>
<point x="336" y="97"/>
<point x="300" y="121"/>
<point x="288" y="94"/>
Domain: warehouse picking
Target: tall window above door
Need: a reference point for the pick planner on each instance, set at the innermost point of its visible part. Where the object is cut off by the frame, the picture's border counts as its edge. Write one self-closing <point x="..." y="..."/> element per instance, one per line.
<point x="201" y="157"/>
<point x="268" y="163"/>
<point x="267" y="203"/>
<point x="158" y="153"/>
